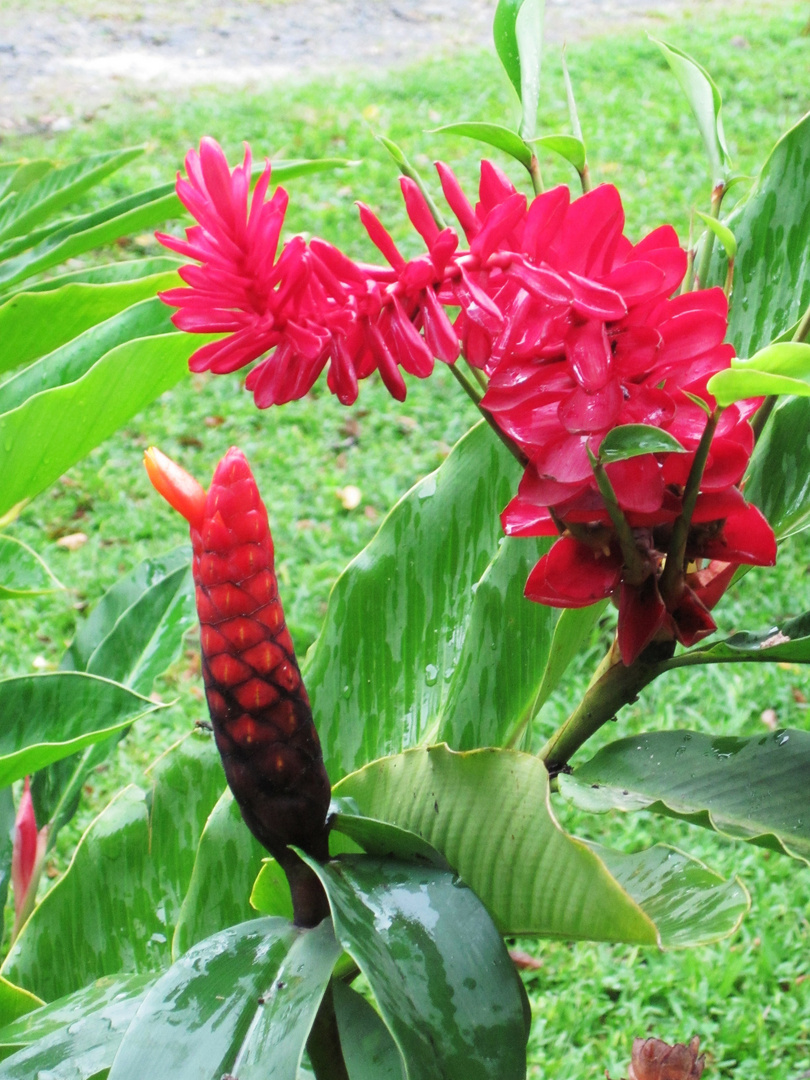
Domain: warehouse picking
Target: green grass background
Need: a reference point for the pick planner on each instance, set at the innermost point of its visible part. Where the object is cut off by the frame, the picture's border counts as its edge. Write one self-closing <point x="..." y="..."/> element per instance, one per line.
<point x="747" y="998"/>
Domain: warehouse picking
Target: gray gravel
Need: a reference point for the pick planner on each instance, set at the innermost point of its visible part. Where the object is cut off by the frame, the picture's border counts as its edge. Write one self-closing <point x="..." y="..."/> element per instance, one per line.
<point x="60" y="61"/>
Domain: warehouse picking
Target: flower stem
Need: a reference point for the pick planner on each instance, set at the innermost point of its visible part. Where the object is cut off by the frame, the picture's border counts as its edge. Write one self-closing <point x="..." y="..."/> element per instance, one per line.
<point x="612" y="686"/>
<point x="718" y="191"/>
<point x="633" y="562"/>
<point x="671" y="578"/>
<point x="323" y="1044"/>
<point x="534" y="173"/>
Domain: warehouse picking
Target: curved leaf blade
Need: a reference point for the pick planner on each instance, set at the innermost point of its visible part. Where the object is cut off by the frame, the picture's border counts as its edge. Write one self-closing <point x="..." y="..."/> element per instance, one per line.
<point x="567" y="146"/>
<point x="444" y="982"/>
<point x="496" y="135"/>
<point x="518" y="33"/>
<point x="491" y="808"/>
<point x="50" y="715"/>
<point x="23" y="572"/>
<point x="228" y="1001"/>
<point x="778" y="478"/>
<point x="397" y="616"/>
<point x="751" y="789"/>
<point x="789" y="643"/>
<point x="367" y="1045"/>
<point x="633" y="440"/>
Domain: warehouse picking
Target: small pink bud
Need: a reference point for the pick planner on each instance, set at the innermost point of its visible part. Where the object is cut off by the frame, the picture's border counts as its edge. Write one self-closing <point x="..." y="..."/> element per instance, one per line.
<point x="26" y="854"/>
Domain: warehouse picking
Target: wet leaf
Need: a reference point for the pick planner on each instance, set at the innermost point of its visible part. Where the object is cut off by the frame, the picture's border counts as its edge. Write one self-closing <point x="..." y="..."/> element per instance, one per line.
<point x="23" y="572"/>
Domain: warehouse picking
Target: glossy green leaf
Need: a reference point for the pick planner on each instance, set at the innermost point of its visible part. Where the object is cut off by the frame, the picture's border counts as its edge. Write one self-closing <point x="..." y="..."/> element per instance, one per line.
<point x="383" y="840"/>
<point x="571" y="632"/>
<point x="16" y="176"/>
<point x="496" y="135"/>
<point x="491" y="808"/>
<point x="271" y="891"/>
<point x="518" y="33"/>
<point x="50" y="715"/>
<point x="116" y="907"/>
<point x="22" y="571"/>
<point x="33" y="324"/>
<point x="368" y="1047"/>
<point x="132" y="635"/>
<point x="8" y="815"/>
<point x="781" y="368"/>
<point x="41" y="439"/>
<point x="633" y="440"/>
<point x="705" y="102"/>
<point x="567" y="146"/>
<point x="722" y="232"/>
<point x="444" y="982"/>
<point x="778" y="478"/>
<point x="788" y="643"/>
<point x="772" y="228"/>
<point x="751" y="789"/>
<point x="241" y="1002"/>
<point x="493" y="690"/>
<point x="127" y="270"/>
<point x="226" y="864"/>
<point x="74" y="359"/>
<point x="76" y="1037"/>
<point x="394" y="630"/>
<point x="57" y="188"/>
<point x="14" y="1003"/>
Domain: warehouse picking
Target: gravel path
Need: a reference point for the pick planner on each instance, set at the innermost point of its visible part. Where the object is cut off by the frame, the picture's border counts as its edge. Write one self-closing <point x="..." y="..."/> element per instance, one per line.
<point x="60" y="61"/>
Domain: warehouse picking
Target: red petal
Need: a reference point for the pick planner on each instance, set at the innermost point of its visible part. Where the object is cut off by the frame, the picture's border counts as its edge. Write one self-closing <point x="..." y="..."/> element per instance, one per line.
<point x="638" y="484"/>
<point x="546" y="215"/>
<point x="587" y="350"/>
<point x="573" y="575"/>
<point x="745" y="538"/>
<point x="584" y="413"/>
<point x="642" y="613"/>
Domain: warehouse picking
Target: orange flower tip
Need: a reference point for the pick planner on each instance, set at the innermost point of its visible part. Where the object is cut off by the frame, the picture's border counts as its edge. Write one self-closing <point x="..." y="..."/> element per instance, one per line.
<point x="177" y="487"/>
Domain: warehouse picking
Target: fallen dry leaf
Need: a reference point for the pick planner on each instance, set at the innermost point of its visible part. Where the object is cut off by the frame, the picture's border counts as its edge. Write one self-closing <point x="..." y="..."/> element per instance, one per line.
<point x="72" y="541"/>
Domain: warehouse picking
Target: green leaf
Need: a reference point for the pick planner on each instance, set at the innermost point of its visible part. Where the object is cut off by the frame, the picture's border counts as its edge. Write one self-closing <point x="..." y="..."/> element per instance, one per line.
<point x="780" y="368"/>
<point x="74" y="359"/>
<point x="705" y="102"/>
<point x="116" y="907"/>
<point x="633" y="440"/>
<point x="772" y="229"/>
<point x="35" y="323"/>
<point x="749" y="789"/>
<point x="788" y="643"/>
<point x="496" y="135"/>
<point x="368" y="1048"/>
<point x="778" y="478"/>
<point x="42" y="438"/>
<point x="57" y="188"/>
<point x="16" y="176"/>
<point x="491" y="808"/>
<point x="106" y="274"/>
<point x="383" y="840"/>
<point x="492" y="693"/>
<point x="23" y="572"/>
<point x="242" y="1001"/>
<point x="226" y="864"/>
<point x="271" y="891"/>
<point x="518" y="33"/>
<point x="444" y="982"/>
<point x="15" y="1002"/>
<point x="50" y="715"/>
<point x="394" y="629"/>
<point x="568" y="147"/>
<point x="8" y="816"/>
<point x="76" y="1037"/>
<point x="571" y="632"/>
<point x="722" y="232"/>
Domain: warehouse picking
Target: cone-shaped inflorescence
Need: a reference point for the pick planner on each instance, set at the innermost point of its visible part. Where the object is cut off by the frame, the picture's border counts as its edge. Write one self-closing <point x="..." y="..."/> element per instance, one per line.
<point x="258" y="704"/>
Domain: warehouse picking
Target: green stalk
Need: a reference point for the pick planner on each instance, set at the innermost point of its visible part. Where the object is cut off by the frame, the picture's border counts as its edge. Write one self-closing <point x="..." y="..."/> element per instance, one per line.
<point x="534" y="173"/>
<point x="612" y="687"/>
<point x="633" y="562"/>
<point x="670" y="581"/>
<point x="718" y="192"/>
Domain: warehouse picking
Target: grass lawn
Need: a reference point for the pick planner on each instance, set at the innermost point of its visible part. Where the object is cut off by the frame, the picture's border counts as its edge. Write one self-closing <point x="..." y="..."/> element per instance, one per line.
<point x="748" y="998"/>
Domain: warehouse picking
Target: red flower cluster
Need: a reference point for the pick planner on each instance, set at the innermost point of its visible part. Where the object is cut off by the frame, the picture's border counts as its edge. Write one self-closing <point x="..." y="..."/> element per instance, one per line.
<point x="575" y="328"/>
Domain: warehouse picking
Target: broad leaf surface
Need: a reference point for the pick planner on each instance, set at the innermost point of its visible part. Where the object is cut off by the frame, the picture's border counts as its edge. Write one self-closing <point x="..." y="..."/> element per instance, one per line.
<point x="778" y="479"/>
<point x="22" y="571"/>
<point x="8" y="816"/>
<point x="496" y="135"/>
<point x="772" y="228"/>
<point x="380" y="671"/>
<point x="33" y="324"/>
<point x="492" y="692"/>
<point x="567" y="146"/>
<point x="50" y="715"/>
<point x="442" y="977"/>
<point x="518" y="33"/>
<point x="241" y="1002"/>
<point x="750" y="789"/>
<point x="14" y="1003"/>
<point x="368" y="1047"/>
<point x="57" y="188"/>
<point x="788" y="643"/>
<point x="115" y="908"/>
<point x="115" y="273"/>
<point x="705" y="102"/>
<point x="491" y="809"/>
<point x="41" y="439"/>
<point x="76" y="1037"/>
<point x="226" y="863"/>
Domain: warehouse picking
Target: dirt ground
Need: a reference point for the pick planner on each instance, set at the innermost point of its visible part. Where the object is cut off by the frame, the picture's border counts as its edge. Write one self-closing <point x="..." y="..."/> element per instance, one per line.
<point x="61" y="60"/>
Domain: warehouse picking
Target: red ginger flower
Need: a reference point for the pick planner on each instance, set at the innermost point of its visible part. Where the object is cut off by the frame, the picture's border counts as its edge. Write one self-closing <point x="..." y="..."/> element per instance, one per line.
<point x="258" y="703"/>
